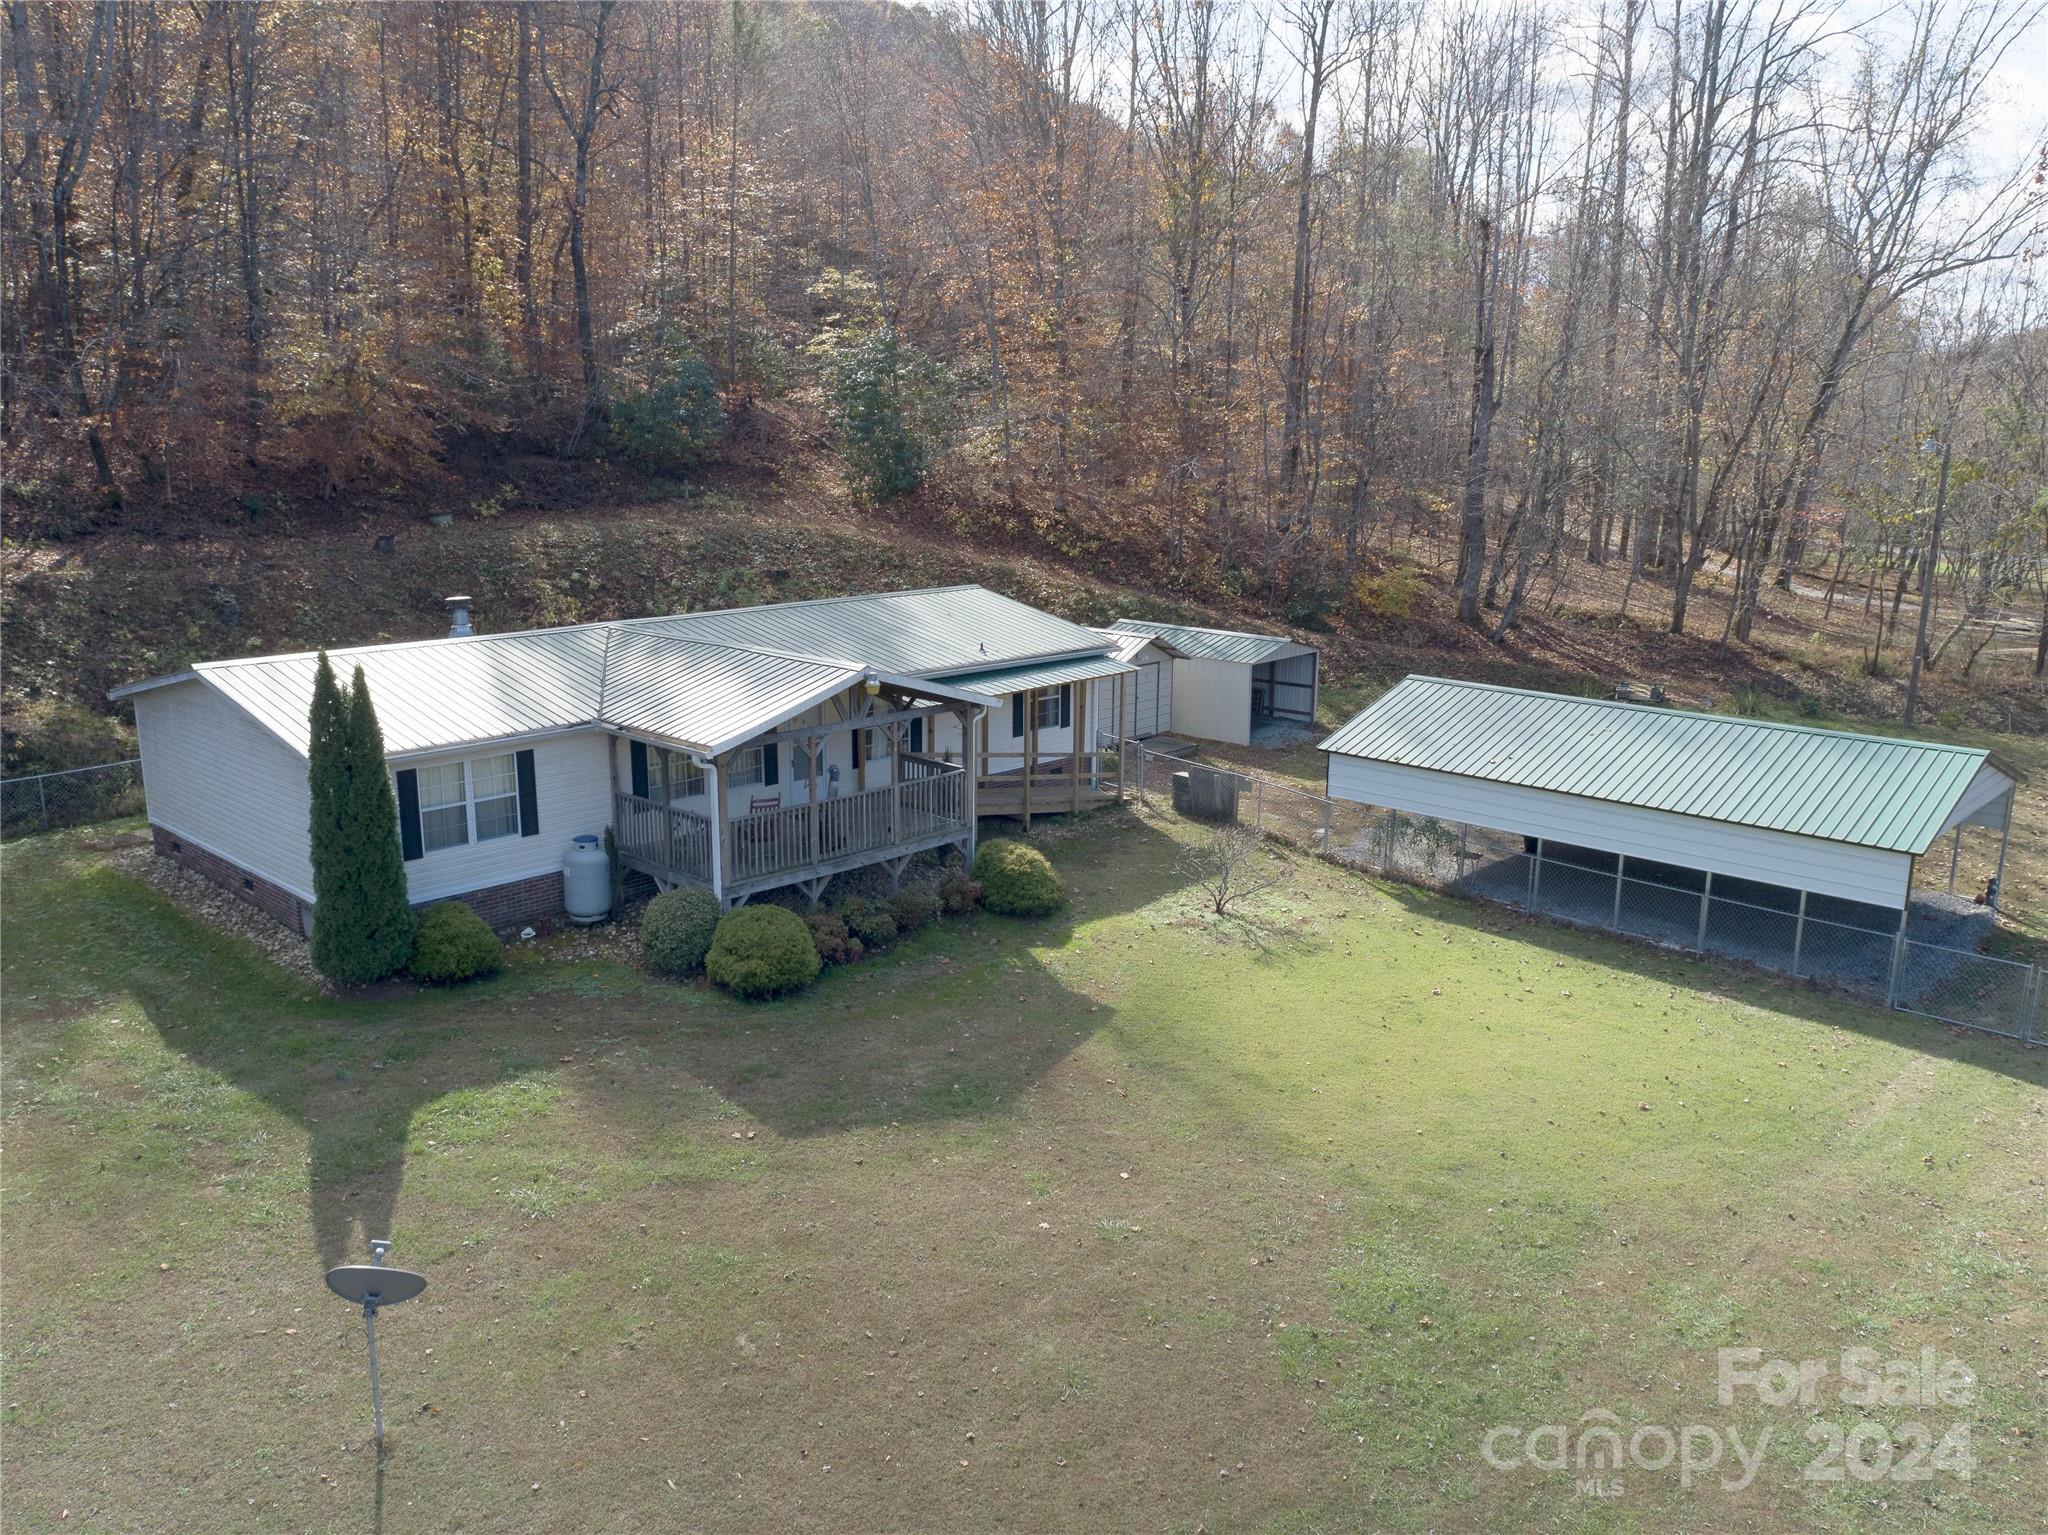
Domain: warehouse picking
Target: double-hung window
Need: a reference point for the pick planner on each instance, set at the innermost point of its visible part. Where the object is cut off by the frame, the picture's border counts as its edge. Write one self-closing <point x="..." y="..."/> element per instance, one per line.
<point x="672" y="777"/>
<point x="746" y="766"/>
<point x="1049" y="708"/>
<point x="462" y="802"/>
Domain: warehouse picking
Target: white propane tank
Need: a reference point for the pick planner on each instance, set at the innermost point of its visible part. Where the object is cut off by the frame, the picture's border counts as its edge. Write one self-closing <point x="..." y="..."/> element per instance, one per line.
<point x="586" y="880"/>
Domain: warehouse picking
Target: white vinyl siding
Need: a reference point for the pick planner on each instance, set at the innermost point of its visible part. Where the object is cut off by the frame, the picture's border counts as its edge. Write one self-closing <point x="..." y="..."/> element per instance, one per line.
<point x="254" y="815"/>
<point x="572" y="794"/>
<point x="1744" y="852"/>
<point x="1212" y="700"/>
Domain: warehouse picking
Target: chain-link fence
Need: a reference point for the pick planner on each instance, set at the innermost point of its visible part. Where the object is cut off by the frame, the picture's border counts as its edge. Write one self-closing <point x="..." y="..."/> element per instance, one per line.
<point x="46" y="801"/>
<point x="1923" y="963"/>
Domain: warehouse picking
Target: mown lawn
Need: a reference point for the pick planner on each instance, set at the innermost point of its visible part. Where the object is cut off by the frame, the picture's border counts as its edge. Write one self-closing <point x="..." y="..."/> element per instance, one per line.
<point x="1135" y="1219"/>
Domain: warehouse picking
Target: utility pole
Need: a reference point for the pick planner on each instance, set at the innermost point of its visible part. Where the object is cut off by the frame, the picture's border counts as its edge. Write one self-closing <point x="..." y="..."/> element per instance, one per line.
<point x="1927" y="579"/>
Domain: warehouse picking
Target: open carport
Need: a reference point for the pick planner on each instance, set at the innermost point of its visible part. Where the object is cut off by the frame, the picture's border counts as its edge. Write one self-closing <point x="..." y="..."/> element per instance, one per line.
<point x="1787" y="845"/>
<point x="1235" y="687"/>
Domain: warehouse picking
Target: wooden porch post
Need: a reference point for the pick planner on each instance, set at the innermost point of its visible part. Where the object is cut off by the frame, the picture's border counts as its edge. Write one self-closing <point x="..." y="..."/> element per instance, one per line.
<point x="811" y="815"/>
<point x="1080" y="696"/>
<point x="895" y="780"/>
<point x="1030" y="749"/>
<point x="716" y="784"/>
<point x="721" y="823"/>
<point x="971" y="764"/>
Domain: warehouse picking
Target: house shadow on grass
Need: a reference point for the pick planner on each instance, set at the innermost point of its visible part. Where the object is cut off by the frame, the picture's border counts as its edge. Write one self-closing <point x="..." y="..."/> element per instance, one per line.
<point x="960" y="1020"/>
<point x="1748" y="984"/>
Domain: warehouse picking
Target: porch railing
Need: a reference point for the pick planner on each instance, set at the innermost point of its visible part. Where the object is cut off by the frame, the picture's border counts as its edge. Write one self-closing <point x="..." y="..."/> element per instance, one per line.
<point x="670" y="838"/>
<point x="933" y="798"/>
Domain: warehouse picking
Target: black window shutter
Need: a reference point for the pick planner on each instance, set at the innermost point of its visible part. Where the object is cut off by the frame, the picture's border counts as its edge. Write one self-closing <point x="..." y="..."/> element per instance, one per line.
<point x="409" y="841"/>
<point x="640" y="769"/>
<point x="1066" y="704"/>
<point x="1017" y="714"/>
<point x="771" y="765"/>
<point x="529" y="797"/>
<point x="917" y="735"/>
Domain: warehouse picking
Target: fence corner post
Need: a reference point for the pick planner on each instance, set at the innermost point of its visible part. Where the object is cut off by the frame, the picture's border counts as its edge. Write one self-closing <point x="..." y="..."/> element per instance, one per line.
<point x="1891" y="985"/>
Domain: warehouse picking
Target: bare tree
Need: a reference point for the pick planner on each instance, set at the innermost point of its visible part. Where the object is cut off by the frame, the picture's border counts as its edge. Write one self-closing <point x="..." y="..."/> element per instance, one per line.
<point x="1233" y="864"/>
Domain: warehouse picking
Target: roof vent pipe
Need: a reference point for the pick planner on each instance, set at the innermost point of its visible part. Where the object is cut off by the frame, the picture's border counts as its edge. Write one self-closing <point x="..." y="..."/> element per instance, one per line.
<point x="458" y="618"/>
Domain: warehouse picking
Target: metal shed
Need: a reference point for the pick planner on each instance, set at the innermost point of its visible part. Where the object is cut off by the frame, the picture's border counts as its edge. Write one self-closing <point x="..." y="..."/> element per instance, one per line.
<point x="1230" y="686"/>
<point x="1789" y="807"/>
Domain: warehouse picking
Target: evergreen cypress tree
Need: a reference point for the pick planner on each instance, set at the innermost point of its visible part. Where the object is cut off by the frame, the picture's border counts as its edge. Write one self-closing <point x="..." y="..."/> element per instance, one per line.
<point x="362" y="924"/>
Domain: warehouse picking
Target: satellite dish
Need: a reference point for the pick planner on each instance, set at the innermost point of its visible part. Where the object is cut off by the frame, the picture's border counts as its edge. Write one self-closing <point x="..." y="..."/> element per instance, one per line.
<point x="371" y="1285"/>
<point x="358" y="1282"/>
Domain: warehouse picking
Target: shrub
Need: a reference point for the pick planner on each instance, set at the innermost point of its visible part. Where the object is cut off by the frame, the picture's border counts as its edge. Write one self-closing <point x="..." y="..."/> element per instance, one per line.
<point x="958" y="890"/>
<point x="835" y="945"/>
<point x="1016" y="880"/>
<point x="674" y="422"/>
<point x="913" y="906"/>
<point x="870" y="921"/>
<point x="891" y="404"/>
<point x="675" y="933"/>
<point x="762" y="951"/>
<point x="453" y="943"/>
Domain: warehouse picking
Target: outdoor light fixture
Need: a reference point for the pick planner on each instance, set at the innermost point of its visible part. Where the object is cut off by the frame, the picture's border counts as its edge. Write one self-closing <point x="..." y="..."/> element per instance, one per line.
<point x="873" y="684"/>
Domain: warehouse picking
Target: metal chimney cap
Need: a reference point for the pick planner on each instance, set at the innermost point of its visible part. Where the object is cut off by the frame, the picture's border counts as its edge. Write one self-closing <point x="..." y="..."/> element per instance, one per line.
<point x="457" y="602"/>
<point x="458" y="618"/>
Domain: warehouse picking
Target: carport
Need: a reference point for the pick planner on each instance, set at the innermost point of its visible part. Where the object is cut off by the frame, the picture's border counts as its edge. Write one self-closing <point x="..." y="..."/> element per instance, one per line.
<point x="1231" y="686"/>
<point x="1770" y="841"/>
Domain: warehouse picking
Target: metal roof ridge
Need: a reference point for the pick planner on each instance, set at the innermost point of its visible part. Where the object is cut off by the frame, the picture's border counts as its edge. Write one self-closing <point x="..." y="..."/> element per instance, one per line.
<point x="810" y="602"/>
<point x="1239" y="634"/>
<point x="1666" y="711"/>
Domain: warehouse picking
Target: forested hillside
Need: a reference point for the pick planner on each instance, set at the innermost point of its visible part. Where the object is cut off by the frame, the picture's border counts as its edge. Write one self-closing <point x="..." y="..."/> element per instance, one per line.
<point x="1699" y="341"/>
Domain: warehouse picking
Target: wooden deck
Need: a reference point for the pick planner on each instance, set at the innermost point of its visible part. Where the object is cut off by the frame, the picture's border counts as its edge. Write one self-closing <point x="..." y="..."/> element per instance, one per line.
<point x="800" y="844"/>
<point x="995" y="797"/>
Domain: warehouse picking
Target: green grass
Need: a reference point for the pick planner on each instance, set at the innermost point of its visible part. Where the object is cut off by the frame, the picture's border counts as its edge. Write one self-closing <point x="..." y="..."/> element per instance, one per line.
<point x="1134" y="1197"/>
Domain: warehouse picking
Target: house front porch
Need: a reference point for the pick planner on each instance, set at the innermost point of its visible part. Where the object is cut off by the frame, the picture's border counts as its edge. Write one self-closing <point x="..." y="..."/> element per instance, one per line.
<point x="801" y="844"/>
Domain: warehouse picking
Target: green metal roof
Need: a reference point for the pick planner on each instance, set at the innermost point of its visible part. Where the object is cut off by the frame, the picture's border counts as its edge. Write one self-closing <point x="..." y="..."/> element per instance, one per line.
<point x="1214" y="644"/>
<point x="1870" y="791"/>
<point x="1016" y="679"/>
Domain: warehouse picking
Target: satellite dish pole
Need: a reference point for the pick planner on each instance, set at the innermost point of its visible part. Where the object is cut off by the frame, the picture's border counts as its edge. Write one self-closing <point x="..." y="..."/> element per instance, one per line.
<point x="373" y="1285"/>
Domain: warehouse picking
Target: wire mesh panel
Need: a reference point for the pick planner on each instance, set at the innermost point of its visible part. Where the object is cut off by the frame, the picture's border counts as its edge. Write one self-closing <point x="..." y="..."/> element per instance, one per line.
<point x="1659" y="910"/>
<point x="1496" y="867"/>
<point x="1574" y="892"/>
<point x="1956" y="986"/>
<point x="1426" y="849"/>
<point x="1761" y="935"/>
<point x="1857" y="958"/>
<point x="46" y="801"/>
<point x="1294" y="816"/>
<point x="1357" y="834"/>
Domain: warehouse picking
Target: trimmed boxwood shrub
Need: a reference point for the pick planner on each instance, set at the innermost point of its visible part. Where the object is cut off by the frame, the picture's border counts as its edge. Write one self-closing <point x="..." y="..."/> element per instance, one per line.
<point x="835" y="945"/>
<point x="1016" y="880"/>
<point x="675" y="931"/>
<point x="913" y="906"/>
<point x="870" y="921"/>
<point x="452" y="943"/>
<point x="762" y="951"/>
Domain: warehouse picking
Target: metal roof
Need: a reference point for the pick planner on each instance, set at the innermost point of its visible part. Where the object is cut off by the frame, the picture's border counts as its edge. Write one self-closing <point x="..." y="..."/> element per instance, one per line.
<point x="433" y="693"/>
<point x="1128" y="647"/>
<point x="1015" y="679"/>
<point x="1216" y="644"/>
<point x="925" y="633"/>
<point x="704" y="680"/>
<point x="1837" y="785"/>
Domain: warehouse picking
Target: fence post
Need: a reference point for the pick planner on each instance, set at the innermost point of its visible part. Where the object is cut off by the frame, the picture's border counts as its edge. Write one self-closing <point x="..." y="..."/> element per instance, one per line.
<point x="1387" y="851"/>
<point x="1464" y="834"/>
<point x="43" y="795"/>
<point x="1799" y="935"/>
<point x="1620" y="863"/>
<point x="1141" y="775"/>
<point x="1259" y="806"/>
<point x="1326" y="826"/>
<point x="1706" y="899"/>
<point x="1535" y="886"/>
<point x="1891" y="986"/>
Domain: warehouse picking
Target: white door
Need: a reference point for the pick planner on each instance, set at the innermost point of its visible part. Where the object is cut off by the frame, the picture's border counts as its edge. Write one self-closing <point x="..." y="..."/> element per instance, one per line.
<point x="1147" y="719"/>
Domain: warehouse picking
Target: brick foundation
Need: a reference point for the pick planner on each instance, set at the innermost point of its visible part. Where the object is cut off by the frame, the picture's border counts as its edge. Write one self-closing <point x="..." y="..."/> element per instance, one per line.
<point x="535" y="902"/>
<point x="253" y="888"/>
